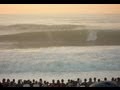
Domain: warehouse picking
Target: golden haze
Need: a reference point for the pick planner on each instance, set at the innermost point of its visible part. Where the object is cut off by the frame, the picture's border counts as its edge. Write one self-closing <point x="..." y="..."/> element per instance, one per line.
<point x="59" y="9"/>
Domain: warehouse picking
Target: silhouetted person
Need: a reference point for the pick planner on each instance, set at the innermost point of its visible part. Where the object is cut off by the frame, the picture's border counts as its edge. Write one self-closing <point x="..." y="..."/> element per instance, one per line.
<point x="8" y="82"/>
<point x="57" y="84"/>
<point x="33" y="82"/>
<point x="40" y="82"/>
<point x="85" y="83"/>
<point x="79" y="81"/>
<point x="30" y="83"/>
<point x="62" y="83"/>
<point x="112" y="79"/>
<point x="72" y="83"/>
<point x="95" y="80"/>
<point x="90" y="81"/>
<point x="36" y="84"/>
<point x="105" y="79"/>
<point x="53" y="83"/>
<point x="4" y="84"/>
<point x="104" y="84"/>
<point x="26" y="84"/>
<point x="1" y="84"/>
<point x="69" y="84"/>
<point x="118" y="81"/>
<point x="13" y="84"/>
<point x="115" y="79"/>
<point x="19" y="84"/>
<point x="115" y="82"/>
<point x="99" y="80"/>
<point x="45" y="84"/>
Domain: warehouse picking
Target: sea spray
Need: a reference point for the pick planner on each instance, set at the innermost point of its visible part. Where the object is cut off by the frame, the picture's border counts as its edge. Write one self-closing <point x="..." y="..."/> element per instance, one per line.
<point x="92" y="36"/>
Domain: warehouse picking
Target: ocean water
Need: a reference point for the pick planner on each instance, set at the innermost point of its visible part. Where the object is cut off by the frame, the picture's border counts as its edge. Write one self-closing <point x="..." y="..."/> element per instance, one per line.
<point x="60" y="62"/>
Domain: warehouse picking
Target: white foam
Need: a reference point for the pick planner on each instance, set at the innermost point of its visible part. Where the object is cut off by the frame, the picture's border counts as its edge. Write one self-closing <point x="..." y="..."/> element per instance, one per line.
<point x="92" y="36"/>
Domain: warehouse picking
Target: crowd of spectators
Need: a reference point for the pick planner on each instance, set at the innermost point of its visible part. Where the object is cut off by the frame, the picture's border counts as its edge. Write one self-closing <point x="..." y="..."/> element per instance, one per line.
<point x="56" y="83"/>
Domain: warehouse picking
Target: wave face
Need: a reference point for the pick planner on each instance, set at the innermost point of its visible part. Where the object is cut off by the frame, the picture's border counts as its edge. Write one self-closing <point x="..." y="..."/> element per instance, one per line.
<point x="12" y="24"/>
<point x="60" y="38"/>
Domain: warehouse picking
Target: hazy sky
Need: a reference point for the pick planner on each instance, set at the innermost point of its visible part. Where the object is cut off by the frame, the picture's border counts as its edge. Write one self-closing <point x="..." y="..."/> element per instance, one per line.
<point x="59" y="9"/>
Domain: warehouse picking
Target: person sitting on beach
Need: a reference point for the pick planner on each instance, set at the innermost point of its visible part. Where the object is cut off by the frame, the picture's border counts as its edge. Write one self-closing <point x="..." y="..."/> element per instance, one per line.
<point x="90" y="81"/>
<point x="1" y="84"/>
<point x="26" y="84"/>
<point x="4" y="84"/>
<point x="79" y="81"/>
<point x="33" y="82"/>
<point x="30" y="83"/>
<point x="53" y="83"/>
<point x="99" y="80"/>
<point x="69" y="84"/>
<point x="104" y="84"/>
<point x="36" y="84"/>
<point x="48" y="84"/>
<point x="19" y="84"/>
<point x="45" y="84"/>
<point x="118" y="81"/>
<point x="13" y="83"/>
<point x="73" y="83"/>
<point x="95" y="80"/>
<point x="85" y="83"/>
<point x="105" y="79"/>
<point x="57" y="84"/>
<point x="62" y="83"/>
<point x="40" y="82"/>
<point x="8" y="82"/>
<point x="113" y="79"/>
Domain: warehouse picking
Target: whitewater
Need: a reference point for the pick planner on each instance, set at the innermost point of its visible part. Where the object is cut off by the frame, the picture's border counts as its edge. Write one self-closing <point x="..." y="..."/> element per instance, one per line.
<point x="60" y="62"/>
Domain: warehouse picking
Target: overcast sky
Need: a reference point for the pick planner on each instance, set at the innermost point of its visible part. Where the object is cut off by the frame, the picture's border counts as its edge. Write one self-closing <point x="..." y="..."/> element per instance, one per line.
<point x="52" y="9"/>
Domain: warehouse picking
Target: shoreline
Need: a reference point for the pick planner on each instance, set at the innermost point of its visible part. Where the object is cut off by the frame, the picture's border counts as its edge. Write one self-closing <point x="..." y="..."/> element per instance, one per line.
<point x="62" y="75"/>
